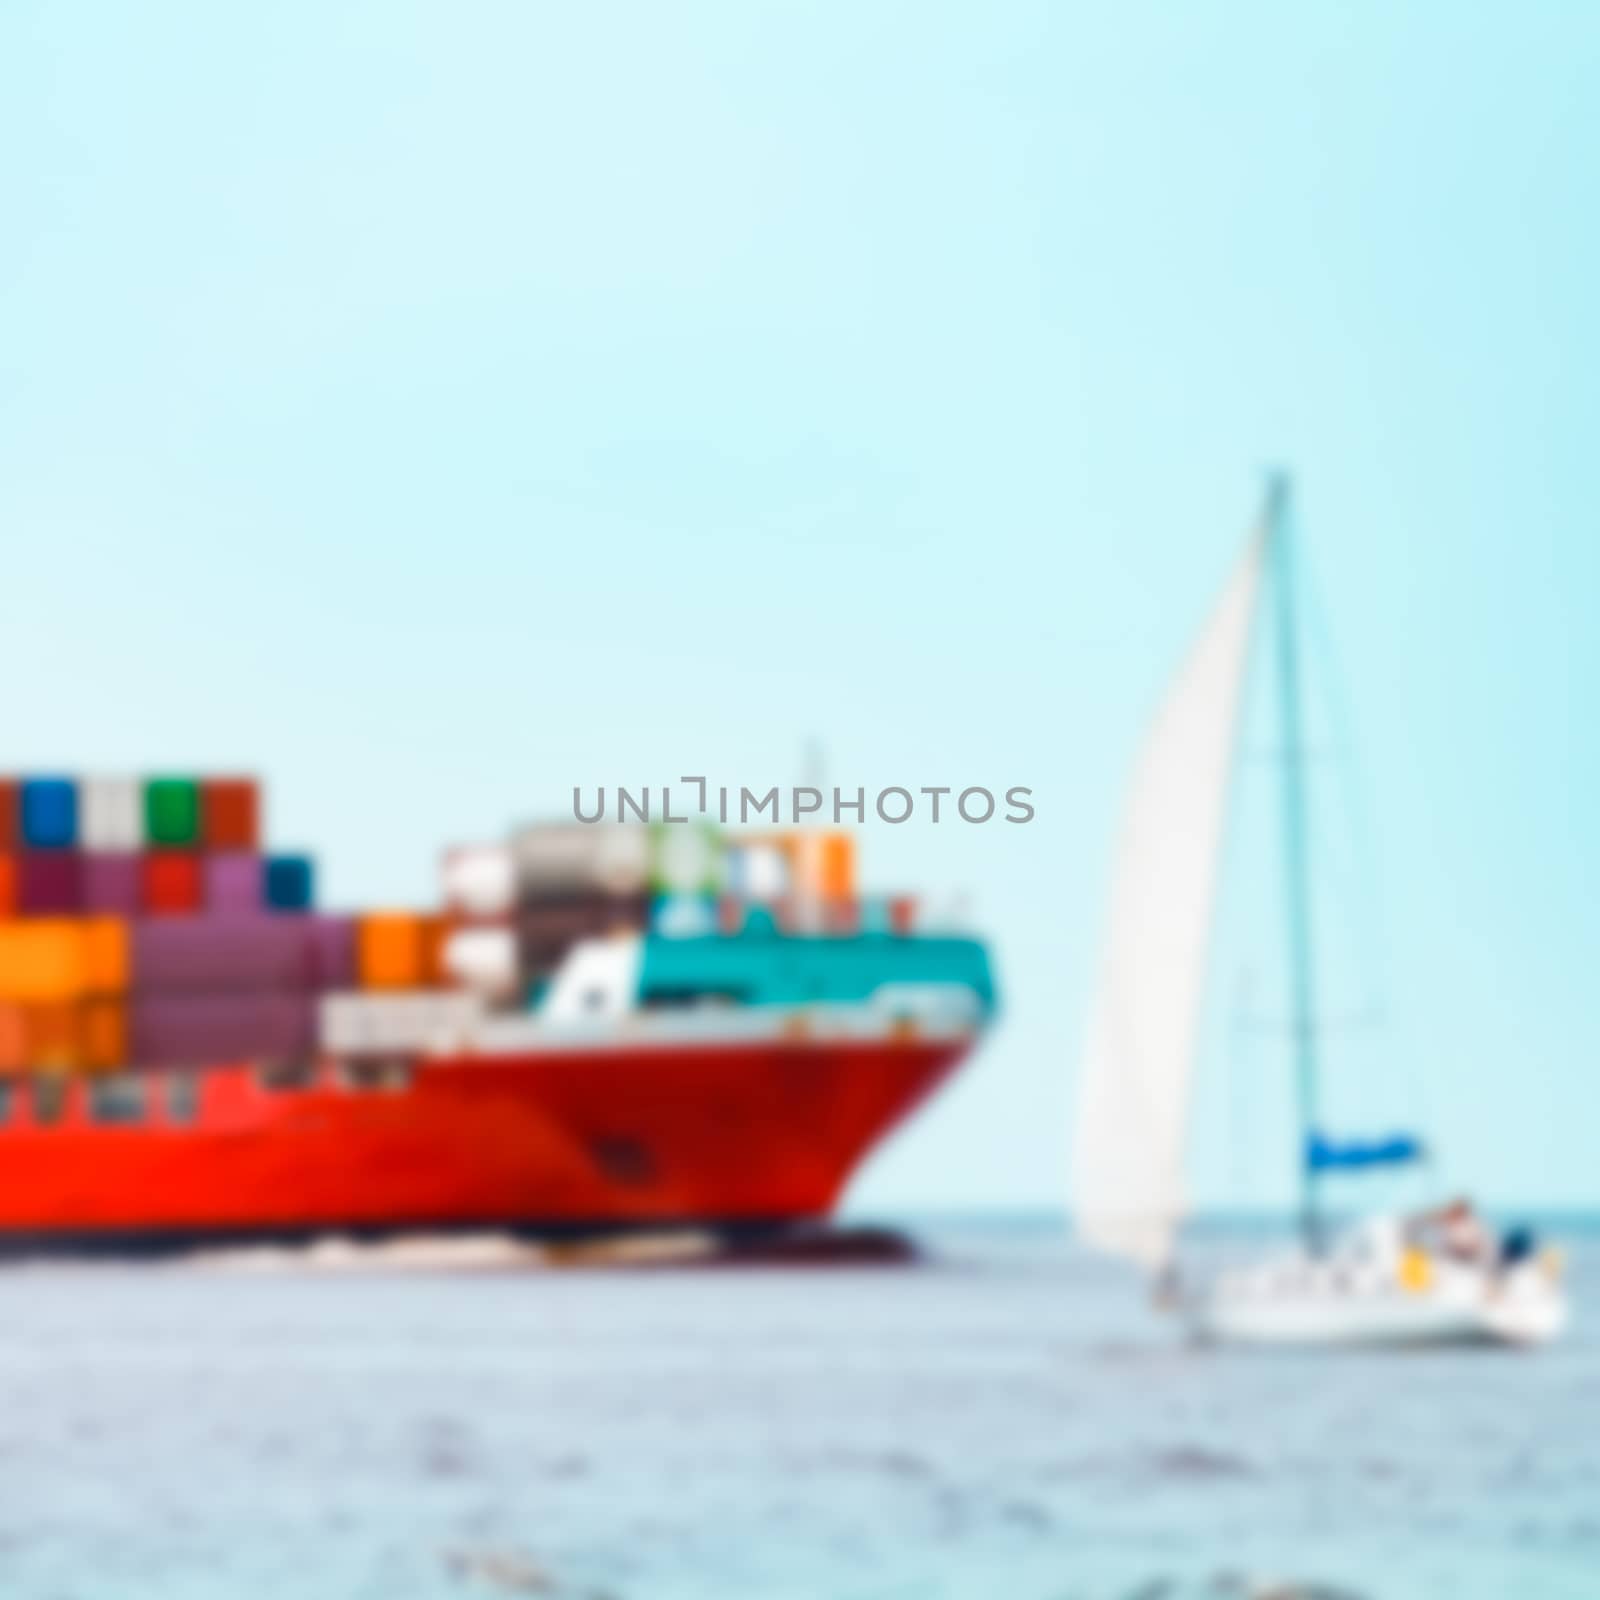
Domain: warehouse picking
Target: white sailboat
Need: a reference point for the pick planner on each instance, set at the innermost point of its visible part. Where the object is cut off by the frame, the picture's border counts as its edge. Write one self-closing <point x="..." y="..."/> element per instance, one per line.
<point x="1386" y="1281"/>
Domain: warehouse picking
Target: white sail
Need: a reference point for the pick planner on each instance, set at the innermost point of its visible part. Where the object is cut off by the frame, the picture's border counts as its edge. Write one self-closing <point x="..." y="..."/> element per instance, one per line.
<point x="1133" y="1096"/>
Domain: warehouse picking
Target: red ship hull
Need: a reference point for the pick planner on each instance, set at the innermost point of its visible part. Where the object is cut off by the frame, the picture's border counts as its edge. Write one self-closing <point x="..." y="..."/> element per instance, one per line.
<point x="735" y="1135"/>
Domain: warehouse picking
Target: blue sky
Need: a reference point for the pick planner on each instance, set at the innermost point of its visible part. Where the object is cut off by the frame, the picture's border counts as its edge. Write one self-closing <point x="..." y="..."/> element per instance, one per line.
<point x="438" y="406"/>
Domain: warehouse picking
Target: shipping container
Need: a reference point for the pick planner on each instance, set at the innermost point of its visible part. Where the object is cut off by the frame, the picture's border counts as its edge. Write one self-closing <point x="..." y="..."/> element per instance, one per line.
<point x="111" y="882"/>
<point x="479" y="880"/>
<point x="8" y="886"/>
<point x="398" y="1024"/>
<point x="482" y="958"/>
<point x="233" y="884"/>
<point x="172" y="813"/>
<point x="103" y="1034"/>
<point x="13" y="1036"/>
<point x="49" y="811"/>
<point x="823" y="864"/>
<point x="838" y="866"/>
<point x="49" y="883"/>
<point x="171" y="883"/>
<point x="390" y="950"/>
<point x="287" y="883"/>
<point x="62" y="1035"/>
<point x="206" y="954"/>
<point x="10" y="818"/>
<point x="333" y="942"/>
<point x="230" y="811"/>
<point x="52" y="1033"/>
<point x="110" y="814"/>
<point x="106" y="954"/>
<point x="53" y="959"/>
<point x="172" y="1030"/>
<point x="435" y="930"/>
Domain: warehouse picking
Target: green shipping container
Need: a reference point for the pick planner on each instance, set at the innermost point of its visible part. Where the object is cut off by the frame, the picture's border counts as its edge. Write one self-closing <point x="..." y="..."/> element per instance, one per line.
<point x="172" y="811"/>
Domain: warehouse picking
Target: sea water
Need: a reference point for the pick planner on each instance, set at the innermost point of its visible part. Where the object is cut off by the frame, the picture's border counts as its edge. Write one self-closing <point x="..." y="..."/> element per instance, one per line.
<point x="1006" y="1420"/>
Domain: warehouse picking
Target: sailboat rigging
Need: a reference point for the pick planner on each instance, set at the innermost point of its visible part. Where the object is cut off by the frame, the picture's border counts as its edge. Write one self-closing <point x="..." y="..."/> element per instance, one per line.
<point x="1296" y="844"/>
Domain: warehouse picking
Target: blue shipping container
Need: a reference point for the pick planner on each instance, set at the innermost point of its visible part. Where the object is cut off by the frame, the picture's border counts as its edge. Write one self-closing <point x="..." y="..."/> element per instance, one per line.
<point x="287" y="883"/>
<point x="49" y="813"/>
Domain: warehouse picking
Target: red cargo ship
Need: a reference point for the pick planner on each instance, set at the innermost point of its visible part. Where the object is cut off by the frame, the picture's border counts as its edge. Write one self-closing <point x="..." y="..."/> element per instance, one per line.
<point x="591" y="1035"/>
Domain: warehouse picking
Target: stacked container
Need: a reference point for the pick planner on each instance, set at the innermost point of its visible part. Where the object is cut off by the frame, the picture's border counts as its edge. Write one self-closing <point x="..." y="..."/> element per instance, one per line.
<point x="141" y="924"/>
<point x="400" y="997"/>
<point x="63" y="987"/>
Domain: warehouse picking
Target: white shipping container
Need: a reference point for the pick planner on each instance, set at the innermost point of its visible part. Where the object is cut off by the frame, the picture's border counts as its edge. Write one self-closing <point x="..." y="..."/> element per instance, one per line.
<point x="480" y="880"/>
<point x="110" y="814"/>
<point x="482" y="958"/>
<point x="361" y="1023"/>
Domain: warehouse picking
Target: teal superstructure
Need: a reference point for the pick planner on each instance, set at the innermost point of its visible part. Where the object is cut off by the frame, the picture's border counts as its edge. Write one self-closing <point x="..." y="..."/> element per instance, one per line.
<point x="764" y="969"/>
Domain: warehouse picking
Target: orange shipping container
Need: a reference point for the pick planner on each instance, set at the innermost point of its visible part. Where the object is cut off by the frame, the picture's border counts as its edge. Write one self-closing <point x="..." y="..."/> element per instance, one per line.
<point x="103" y="1033"/>
<point x="41" y="960"/>
<point x="389" y="950"/>
<point x="13" y="1037"/>
<point x="45" y="960"/>
<point x="435" y="930"/>
<point x="53" y="1036"/>
<point x="8" y="886"/>
<point x="105" y="955"/>
<point x="823" y="865"/>
<point x="838" y="866"/>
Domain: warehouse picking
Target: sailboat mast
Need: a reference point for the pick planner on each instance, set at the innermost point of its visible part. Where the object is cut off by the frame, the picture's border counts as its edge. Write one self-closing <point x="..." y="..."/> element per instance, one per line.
<point x="1296" y="841"/>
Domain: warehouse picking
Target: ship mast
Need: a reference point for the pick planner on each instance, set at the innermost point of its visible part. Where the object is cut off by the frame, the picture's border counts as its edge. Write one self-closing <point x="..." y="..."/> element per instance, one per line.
<point x="1296" y="850"/>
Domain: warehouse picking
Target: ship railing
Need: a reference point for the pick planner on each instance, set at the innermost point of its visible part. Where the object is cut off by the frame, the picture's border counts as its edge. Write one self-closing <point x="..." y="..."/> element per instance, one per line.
<point x="928" y="1011"/>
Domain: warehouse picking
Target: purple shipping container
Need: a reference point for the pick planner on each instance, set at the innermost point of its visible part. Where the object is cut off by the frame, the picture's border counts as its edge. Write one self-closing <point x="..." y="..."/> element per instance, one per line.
<point x="201" y="954"/>
<point x="111" y="883"/>
<point x="233" y="884"/>
<point x="333" y="959"/>
<point x="176" y="1030"/>
<point x="48" y="882"/>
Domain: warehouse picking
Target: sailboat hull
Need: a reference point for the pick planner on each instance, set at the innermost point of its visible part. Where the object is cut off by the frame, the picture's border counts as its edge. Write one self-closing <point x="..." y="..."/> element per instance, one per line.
<point x="1305" y="1304"/>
